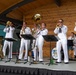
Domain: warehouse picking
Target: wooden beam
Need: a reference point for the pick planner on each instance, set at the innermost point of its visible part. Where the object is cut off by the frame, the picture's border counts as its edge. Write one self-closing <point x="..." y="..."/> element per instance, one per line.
<point x="5" y="19"/>
<point x="58" y="2"/>
<point x="16" y="6"/>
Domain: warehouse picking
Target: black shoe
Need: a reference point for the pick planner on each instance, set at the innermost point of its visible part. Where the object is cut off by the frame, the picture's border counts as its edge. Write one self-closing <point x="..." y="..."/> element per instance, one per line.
<point x="10" y="59"/>
<point x="58" y="62"/>
<point x="66" y="62"/>
<point x="75" y="56"/>
<point x="25" y="60"/>
<point x="40" y="61"/>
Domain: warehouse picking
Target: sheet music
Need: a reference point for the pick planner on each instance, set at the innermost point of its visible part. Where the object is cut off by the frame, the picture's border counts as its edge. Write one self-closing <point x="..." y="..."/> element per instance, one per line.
<point x="10" y="39"/>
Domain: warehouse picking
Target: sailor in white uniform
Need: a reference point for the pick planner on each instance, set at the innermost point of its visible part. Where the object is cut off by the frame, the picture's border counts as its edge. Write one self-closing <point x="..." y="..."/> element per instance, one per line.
<point x="9" y="30"/>
<point x="40" y="42"/>
<point x="61" y="31"/>
<point x="25" y="44"/>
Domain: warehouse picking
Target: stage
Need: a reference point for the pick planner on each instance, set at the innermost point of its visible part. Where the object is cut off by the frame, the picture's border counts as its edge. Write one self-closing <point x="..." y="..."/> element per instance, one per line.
<point x="10" y="68"/>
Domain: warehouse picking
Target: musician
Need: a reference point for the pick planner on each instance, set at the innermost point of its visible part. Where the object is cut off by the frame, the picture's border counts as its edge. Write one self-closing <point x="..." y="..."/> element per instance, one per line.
<point x="34" y="33"/>
<point x="9" y="30"/>
<point x="24" y="43"/>
<point x="73" y="37"/>
<point x="34" y="29"/>
<point x="61" y="31"/>
<point x="40" y="42"/>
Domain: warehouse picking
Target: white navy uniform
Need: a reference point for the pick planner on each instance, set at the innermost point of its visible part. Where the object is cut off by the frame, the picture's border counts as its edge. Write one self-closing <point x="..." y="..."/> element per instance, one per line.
<point x="62" y="42"/>
<point x="39" y="43"/>
<point x="9" y="34"/>
<point x="24" y="44"/>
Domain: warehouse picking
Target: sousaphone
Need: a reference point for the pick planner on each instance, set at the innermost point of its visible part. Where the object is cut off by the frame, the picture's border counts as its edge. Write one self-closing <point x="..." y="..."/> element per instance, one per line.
<point x="37" y="18"/>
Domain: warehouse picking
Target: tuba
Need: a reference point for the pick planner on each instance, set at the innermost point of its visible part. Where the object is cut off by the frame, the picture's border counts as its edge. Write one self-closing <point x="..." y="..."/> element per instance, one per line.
<point x="36" y="17"/>
<point x="35" y="31"/>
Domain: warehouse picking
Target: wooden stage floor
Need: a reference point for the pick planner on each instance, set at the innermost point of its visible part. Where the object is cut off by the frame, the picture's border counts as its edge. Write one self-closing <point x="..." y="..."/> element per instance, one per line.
<point x="61" y="66"/>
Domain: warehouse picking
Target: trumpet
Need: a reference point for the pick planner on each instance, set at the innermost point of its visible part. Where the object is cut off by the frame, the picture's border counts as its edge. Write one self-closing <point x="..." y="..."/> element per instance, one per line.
<point x="8" y="23"/>
<point x="58" y="25"/>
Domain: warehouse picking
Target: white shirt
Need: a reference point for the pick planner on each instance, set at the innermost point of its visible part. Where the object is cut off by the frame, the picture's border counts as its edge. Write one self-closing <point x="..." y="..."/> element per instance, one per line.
<point x="27" y="31"/>
<point x="61" y="35"/>
<point x="9" y="32"/>
<point x="42" y="32"/>
<point x="71" y="38"/>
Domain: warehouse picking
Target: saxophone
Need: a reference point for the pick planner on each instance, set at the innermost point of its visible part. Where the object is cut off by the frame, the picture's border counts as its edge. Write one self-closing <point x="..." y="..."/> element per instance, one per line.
<point x="22" y="32"/>
<point x="35" y="31"/>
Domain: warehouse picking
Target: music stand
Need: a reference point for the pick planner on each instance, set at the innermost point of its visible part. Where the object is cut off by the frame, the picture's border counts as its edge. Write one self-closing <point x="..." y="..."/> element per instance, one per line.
<point x="28" y="37"/>
<point x="50" y="38"/>
<point x="10" y="40"/>
<point x="17" y="47"/>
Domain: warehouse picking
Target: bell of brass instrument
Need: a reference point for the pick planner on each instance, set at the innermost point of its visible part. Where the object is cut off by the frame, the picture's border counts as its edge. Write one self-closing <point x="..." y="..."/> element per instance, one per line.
<point x="8" y="23"/>
<point x="57" y="26"/>
<point x="36" y="17"/>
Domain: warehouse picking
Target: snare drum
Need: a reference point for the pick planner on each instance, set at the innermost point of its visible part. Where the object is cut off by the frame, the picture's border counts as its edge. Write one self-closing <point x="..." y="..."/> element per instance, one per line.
<point x="54" y="53"/>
